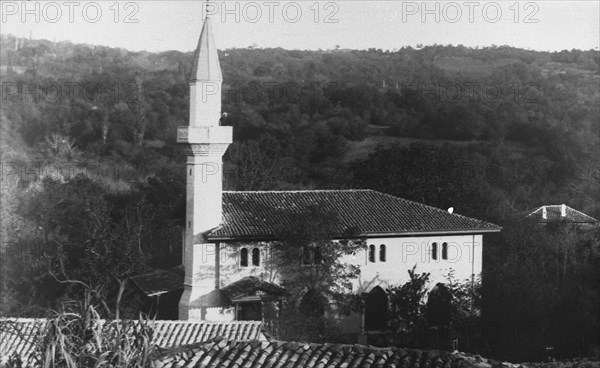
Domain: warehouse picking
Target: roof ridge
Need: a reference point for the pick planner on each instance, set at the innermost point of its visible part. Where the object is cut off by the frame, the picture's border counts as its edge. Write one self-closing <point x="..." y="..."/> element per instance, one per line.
<point x="586" y="215"/>
<point x="535" y="210"/>
<point x="581" y="213"/>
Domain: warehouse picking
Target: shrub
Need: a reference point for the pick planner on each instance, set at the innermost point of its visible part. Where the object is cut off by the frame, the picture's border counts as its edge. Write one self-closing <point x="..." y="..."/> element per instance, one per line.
<point x="76" y="340"/>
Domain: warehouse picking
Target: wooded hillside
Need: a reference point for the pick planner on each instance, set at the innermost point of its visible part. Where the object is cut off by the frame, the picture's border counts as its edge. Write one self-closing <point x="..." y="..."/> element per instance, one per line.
<point x="492" y="132"/>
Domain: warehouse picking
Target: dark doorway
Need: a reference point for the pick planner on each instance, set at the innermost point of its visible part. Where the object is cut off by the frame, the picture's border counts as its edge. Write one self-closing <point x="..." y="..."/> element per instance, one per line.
<point x="376" y="310"/>
<point x="249" y="311"/>
<point x="313" y="304"/>
<point x="439" y="306"/>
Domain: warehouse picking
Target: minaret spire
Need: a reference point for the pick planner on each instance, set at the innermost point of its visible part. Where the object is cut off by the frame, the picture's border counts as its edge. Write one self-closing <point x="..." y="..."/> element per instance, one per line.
<point x="205" y="80"/>
<point x="206" y="142"/>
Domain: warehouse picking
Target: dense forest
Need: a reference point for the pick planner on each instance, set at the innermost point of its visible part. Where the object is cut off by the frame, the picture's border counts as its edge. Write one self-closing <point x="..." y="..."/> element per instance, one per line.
<point x="89" y="158"/>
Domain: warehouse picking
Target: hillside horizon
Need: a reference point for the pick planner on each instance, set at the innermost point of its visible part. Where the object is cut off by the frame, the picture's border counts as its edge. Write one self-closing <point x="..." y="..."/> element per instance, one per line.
<point x="334" y="48"/>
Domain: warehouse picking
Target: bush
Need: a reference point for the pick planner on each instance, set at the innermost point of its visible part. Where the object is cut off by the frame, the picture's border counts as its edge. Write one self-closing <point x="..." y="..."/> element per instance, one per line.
<point x="76" y="340"/>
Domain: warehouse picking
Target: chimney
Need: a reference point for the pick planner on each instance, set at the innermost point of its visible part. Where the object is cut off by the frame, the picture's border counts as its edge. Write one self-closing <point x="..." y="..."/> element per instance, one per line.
<point x="563" y="210"/>
<point x="544" y="213"/>
<point x="206" y="142"/>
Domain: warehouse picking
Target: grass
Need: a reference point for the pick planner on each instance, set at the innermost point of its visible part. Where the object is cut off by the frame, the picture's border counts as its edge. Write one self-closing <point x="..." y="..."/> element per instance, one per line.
<point x="83" y="339"/>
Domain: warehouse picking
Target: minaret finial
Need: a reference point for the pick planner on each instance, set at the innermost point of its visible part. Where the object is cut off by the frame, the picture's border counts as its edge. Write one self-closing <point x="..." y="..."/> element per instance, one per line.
<point x="206" y="9"/>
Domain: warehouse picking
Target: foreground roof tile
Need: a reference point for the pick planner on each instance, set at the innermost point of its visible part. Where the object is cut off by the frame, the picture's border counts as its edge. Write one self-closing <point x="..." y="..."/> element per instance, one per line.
<point x="255" y="354"/>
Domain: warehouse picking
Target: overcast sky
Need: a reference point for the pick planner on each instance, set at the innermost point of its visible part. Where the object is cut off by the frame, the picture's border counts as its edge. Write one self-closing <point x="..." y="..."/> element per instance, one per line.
<point x="307" y="24"/>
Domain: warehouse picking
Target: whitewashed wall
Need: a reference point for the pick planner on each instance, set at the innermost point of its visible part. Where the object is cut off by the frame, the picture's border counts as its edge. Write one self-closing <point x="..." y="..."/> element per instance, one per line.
<point x="231" y="270"/>
<point x="464" y="257"/>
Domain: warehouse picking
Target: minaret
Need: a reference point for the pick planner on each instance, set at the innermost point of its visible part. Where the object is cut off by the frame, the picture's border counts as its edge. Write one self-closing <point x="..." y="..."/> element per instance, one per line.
<point x="206" y="143"/>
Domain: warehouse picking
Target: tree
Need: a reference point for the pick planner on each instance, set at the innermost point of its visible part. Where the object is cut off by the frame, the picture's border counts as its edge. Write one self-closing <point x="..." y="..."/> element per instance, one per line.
<point x="311" y="268"/>
<point x="139" y="108"/>
<point x="541" y="280"/>
<point x="83" y="241"/>
<point x="407" y="306"/>
<point x="465" y="298"/>
<point x="250" y="167"/>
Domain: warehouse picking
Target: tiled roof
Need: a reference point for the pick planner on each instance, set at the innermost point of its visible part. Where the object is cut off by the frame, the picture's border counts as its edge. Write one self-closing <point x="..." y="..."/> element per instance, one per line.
<point x="18" y="336"/>
<point x="160" y="281"/>
<point x="554" y="213"/>
<point x="250" y="286"/>
<point x="256" y="354"/>
<point x="262" y="215"/>
<point x="171" y="334"/>
<point x="163" y="281"/>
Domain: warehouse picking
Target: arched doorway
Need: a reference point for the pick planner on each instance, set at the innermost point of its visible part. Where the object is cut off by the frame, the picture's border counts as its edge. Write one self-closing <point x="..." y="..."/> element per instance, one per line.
<point x="376" y="310"/>
<point x="313" y="304"/>
<point x="439" y="306"/>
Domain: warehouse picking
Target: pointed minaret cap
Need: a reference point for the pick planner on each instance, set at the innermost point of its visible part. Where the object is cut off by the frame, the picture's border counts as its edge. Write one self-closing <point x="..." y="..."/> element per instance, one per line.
<point x="206" y="67"/>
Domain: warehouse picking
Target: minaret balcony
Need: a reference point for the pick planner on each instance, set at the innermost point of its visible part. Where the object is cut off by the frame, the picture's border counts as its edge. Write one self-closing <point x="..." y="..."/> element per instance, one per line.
<point x="205" y="134"/>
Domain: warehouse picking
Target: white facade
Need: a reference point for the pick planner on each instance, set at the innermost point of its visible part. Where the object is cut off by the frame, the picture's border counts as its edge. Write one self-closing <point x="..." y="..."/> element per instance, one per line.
<point x="463" y="257"/>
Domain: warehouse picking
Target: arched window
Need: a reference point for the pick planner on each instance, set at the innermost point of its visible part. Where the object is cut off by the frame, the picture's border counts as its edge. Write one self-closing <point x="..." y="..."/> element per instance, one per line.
<point x="382" y="252"/>
<point x="376" y="310"/>
<point x="371" y="253"/>
<point x="444" y="250"/>
<point x="244" y="257"/>
<point x="306" y="256"/>
<point x="255" y="257"/>
<point x="434" y="251"/>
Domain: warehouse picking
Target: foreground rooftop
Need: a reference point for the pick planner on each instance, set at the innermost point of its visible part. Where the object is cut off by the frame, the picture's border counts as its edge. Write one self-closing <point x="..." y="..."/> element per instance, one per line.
<point x="222" y="353"/>
<point x="19" y="335"/>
